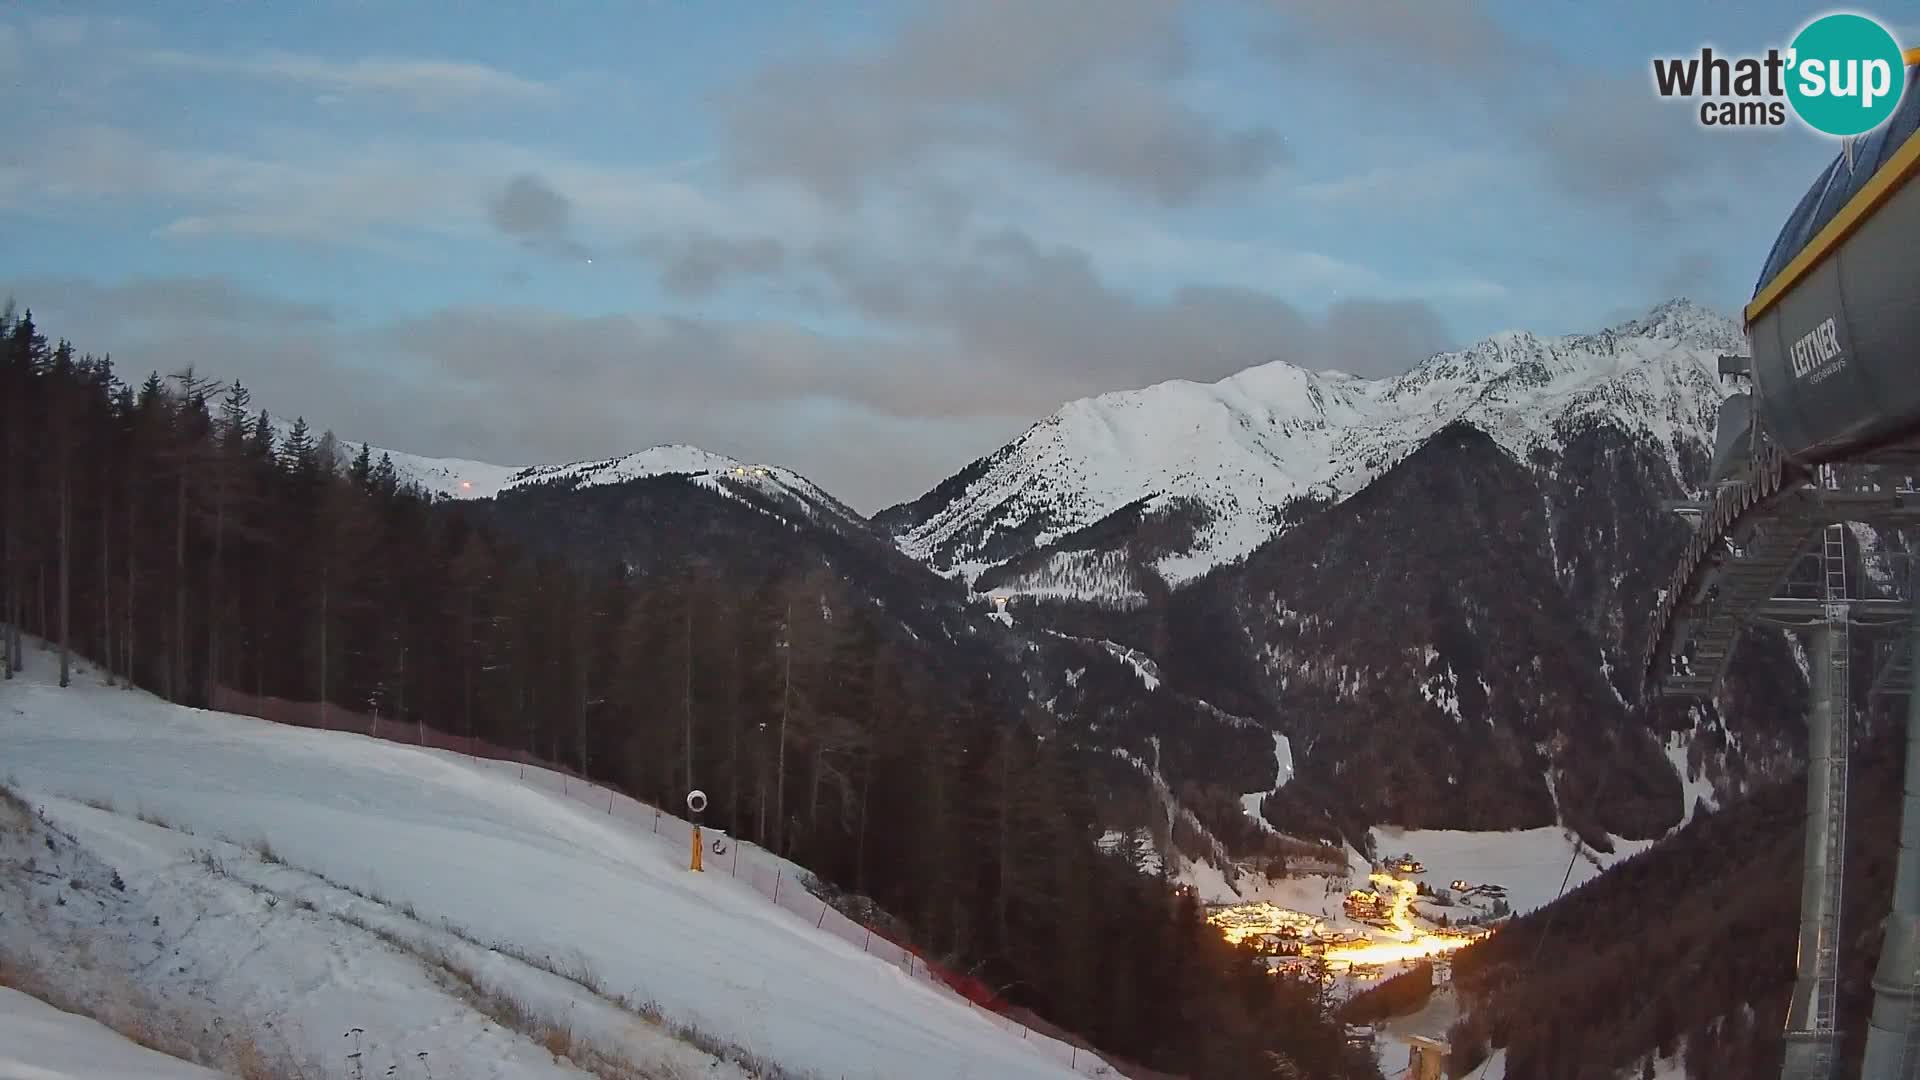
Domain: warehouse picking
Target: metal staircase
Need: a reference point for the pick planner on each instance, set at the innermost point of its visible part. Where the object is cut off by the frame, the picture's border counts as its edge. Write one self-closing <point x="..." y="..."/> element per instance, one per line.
<point x="1893" y="669"/>
<point x="1748" y="575"/>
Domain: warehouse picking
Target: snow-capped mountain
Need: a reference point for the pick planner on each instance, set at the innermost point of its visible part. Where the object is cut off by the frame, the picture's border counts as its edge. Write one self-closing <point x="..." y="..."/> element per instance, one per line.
<point x="459" y="478"/>
<point x="1216" y="465"/>
<point x="455" y="478"/>
<point x="1525" y="472"/>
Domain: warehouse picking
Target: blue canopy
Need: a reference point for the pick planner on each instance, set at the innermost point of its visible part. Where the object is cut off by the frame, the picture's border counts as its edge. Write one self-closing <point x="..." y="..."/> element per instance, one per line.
<point x="1838" y="183"/>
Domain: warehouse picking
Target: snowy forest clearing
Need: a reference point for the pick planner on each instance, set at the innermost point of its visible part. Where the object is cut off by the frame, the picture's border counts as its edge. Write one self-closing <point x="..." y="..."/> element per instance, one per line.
<point x="310" y="883"/>
<point x="1530" y="864"/>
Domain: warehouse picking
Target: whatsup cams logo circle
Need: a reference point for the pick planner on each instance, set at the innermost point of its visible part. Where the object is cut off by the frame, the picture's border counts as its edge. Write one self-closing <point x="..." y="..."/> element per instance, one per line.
<point x="1844" y="74"/>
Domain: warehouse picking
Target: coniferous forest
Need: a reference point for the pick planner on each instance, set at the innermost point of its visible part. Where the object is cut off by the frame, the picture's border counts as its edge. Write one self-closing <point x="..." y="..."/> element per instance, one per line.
<point x="167" y="530"/>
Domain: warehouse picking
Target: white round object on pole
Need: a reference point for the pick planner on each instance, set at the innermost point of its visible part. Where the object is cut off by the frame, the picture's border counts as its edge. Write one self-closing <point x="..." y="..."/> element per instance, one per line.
<point x="696" y="800"/>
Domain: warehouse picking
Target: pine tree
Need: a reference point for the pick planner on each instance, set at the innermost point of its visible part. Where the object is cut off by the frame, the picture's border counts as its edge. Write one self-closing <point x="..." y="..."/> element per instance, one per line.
<point x="327" y="451"/>
<point x="235" y="420"/>
<point x="25" y="351"/>
<point x="64" y="422"/>
<point x="188" y="454"/>
<point x="228" y="467"/>
<point x="260" y="442"/>
<point x="894" y="766"/>
<point x="384" y="479"/>
<point x="297" y="456"/>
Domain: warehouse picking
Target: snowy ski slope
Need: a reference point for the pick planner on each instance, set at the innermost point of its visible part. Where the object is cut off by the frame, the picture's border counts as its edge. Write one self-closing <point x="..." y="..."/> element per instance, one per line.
<point x="40" y="1042"/>
<point x="387" y="832"/>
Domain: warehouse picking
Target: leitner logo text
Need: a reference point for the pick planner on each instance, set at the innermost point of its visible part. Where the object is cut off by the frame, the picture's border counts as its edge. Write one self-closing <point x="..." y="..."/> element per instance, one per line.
<point x="1816" y="348"/>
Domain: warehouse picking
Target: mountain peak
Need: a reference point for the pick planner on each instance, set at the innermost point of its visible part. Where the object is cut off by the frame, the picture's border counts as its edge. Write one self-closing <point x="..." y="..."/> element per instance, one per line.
<point x="1681" y="319"/>
<point x="1210" y="470"/>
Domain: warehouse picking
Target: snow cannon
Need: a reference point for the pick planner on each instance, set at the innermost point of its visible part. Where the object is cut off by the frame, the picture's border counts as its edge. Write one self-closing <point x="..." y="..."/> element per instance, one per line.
<point x="696" y="804"/>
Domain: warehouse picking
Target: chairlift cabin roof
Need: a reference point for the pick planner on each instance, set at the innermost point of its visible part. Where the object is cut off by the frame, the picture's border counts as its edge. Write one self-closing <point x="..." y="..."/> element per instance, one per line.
<point x="1832" y="321"/>
<point x="1844" y="177"/>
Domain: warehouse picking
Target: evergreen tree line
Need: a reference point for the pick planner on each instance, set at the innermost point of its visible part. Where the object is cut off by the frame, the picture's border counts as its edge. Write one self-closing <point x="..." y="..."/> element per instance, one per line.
<point x="169" y="534"/>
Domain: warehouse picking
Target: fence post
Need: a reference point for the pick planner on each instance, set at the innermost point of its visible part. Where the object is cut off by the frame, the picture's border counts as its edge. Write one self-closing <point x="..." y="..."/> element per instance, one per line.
<point x="609" y="802"/>
<point x="776" y="885"/>
<point x="1075" y="1063"/>
<point x="656" y="821"/>
<point x="736" y="856"/>
<point x="865" y="944"/>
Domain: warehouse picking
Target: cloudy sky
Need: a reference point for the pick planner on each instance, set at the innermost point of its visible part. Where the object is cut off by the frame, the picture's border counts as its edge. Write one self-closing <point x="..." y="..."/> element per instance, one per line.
<point x="868" y="241"/>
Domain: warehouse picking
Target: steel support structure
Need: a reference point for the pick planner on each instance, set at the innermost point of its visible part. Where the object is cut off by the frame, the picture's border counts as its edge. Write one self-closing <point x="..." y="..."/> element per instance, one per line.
<point x="1810" y="1030"/>
<point x="1893" y="1032"/>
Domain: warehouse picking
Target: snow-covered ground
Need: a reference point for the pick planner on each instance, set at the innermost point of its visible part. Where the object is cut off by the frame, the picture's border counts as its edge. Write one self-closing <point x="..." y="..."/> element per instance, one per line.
<point x="405" y="886"/>
<point x="1283" y="772"/>
<point x="1391" y="1046"/>
<point x="1314" y="894"/>
<point x="1694" y="790"/>
<point x="40" y="1042"/>
<point x="1529" y="863"/>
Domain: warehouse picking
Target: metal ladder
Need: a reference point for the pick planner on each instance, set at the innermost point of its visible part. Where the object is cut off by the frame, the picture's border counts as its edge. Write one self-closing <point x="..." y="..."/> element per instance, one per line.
<point x="1834" y="559"/>
<point x="1840" y="732"/>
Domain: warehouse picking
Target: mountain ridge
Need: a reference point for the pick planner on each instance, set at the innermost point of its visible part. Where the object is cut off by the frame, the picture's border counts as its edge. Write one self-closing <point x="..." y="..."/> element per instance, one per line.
<point x="1233" y="454"/>
<point x="1275" y="406"/>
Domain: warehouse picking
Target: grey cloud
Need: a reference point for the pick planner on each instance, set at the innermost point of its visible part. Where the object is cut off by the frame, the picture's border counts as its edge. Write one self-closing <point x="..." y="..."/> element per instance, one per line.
<point x="1373" y="338"/>
<point x="1134" y="134"/>
<point x="1084" y="87"/>
<point x="517" y="385"/>
<point x="527" y="207"/>
<point x="1599" y="138"/>
<point x="694" y="263"/>
<point x="294" y="357"/>
<point x="12" y="53"/>
<point x="1608" y="142"/>
<point x="531" y="211"/>
<point x="1447" y="46"/>
<point x="328" y="192"/>
<point x="426" y="84"/>
<point x="1044" y="323"/>
<point x="172" y="300"/>
<point x="1700" y="275"/>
